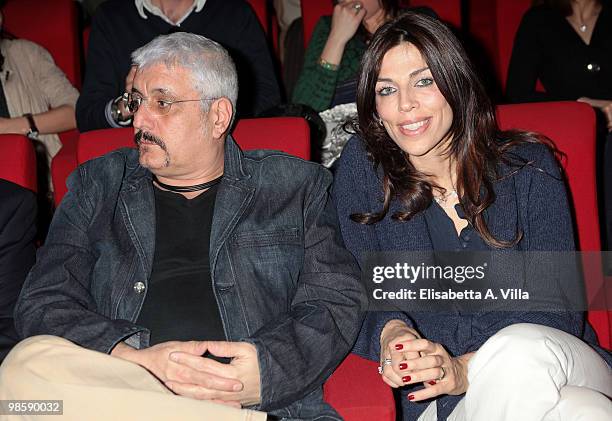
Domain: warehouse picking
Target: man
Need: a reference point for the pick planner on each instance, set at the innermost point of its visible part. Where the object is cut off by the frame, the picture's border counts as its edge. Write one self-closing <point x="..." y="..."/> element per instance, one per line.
<point x="188" y="239"/>
<point x="17" y="253"/>
<point x="121" y="26"/>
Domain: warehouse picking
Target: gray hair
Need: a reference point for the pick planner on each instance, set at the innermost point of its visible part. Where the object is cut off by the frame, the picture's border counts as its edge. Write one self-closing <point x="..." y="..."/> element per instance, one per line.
<point x="213" y="70"/>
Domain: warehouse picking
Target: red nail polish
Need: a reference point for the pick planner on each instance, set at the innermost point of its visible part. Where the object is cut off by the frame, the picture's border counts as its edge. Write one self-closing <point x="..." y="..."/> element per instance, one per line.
<point x="406" y="379"/>
<point x="410" y="397"/>
<point x="403" y="366"/>
<point x="432" y="382"/>
<point x="399" y="347"/>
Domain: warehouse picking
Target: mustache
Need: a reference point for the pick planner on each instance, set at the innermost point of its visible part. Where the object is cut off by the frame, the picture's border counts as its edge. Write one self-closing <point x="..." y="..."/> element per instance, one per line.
<point x="140" y="135"/>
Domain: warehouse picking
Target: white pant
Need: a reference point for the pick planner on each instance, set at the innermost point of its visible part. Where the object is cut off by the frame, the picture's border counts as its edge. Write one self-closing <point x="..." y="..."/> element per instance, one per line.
<point x="531" y="372"/>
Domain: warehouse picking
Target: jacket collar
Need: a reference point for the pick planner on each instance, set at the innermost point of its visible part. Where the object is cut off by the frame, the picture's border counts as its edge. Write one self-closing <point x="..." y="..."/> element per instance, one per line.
<point x="138" y="203"/>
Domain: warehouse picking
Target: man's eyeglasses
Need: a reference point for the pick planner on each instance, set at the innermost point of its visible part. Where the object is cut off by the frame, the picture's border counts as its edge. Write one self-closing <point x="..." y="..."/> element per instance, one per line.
<point x="156" y="105"/>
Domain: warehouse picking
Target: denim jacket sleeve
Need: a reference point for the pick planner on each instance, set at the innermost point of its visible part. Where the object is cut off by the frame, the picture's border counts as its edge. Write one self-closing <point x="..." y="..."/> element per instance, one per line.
<point x="56" y="298"/>
<point x="300" y="349"/>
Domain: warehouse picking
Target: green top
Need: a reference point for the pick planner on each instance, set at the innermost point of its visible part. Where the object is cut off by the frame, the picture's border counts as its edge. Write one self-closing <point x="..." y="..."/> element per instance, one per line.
<point x="316" y="85"/>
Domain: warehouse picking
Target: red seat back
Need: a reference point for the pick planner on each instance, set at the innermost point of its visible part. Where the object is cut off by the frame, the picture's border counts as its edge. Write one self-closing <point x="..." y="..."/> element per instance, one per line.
<point x="52" y="24"/>
<point x="494" y="23"/>
<point x="571" y="125"/>
<point x="287" y="134"/>
<point x="18" y="160"/>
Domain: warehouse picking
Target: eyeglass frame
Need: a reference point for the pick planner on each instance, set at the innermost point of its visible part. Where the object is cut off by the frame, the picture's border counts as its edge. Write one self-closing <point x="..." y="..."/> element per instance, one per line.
<point x="127" y="95"/>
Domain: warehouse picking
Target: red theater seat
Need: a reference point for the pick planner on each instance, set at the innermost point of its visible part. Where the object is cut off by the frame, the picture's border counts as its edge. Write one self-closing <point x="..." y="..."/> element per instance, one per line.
<point x="571" y="125"/>
<point x="290" y="135"/>
<point x="494" y="24"/>
<point x="18" y="160"/>
<point x="52" y="24"/>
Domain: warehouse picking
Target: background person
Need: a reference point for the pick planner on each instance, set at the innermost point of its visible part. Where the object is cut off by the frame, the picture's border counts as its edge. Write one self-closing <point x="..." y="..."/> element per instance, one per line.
<point x="331" y="62"/>
<point x="119" y="27"/>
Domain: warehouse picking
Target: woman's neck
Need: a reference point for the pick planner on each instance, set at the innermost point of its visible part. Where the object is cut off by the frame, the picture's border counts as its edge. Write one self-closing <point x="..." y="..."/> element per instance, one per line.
<point x="372" y="23"/>
<point x="585" y="8"/>
<point x="440" y="169"/>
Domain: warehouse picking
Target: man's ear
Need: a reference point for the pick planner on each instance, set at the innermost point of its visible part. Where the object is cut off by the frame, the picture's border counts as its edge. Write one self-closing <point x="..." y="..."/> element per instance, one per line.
<point x="221" y="113"/>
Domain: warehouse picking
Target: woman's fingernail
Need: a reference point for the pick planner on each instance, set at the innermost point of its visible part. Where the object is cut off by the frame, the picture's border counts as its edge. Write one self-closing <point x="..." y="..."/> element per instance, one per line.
<point x="399" y="347"/>
<point x="406" y="379"/>
<point x="432" y="382"/>
<point x="410" y="397"/>
<point x="403" y="366"/>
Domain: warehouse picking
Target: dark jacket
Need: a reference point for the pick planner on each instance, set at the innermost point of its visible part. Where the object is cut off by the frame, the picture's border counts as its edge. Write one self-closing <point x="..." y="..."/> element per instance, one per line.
<point x="532" y="201"/>
<point x="117" y="30"/>
<point x="17" y="254"/>
<point x="281" y="275"/>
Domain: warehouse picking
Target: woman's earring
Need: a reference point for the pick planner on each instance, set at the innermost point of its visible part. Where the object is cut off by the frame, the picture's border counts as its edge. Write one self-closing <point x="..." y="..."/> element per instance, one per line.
<point x="379" y="120"/>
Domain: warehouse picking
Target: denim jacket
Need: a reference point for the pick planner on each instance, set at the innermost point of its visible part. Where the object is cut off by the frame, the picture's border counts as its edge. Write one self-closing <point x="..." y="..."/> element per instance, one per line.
<point x="281" y="276"/>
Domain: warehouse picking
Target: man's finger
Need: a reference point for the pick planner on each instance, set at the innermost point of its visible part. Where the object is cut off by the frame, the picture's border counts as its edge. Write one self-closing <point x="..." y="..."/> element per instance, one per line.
<point x="191" y="347"/>
<point x="198" y="392"/>
<point x="197" y="362"/>
<point x="226" y="349"/>
<point x="185" y="374"/>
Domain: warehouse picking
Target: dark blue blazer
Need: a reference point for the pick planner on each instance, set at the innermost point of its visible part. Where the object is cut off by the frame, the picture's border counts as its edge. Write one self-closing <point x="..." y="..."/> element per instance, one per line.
<point x="533" y="201"/>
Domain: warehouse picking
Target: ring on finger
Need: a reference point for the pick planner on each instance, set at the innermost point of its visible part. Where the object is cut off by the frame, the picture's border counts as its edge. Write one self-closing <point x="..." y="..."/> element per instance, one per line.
<point x="357" y="7"/>
<point x="385" y="362"/>
<point x="441" y="376"/>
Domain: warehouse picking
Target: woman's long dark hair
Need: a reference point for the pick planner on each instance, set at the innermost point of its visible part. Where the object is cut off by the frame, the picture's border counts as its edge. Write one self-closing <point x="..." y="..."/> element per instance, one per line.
<point x="477" y="145"/>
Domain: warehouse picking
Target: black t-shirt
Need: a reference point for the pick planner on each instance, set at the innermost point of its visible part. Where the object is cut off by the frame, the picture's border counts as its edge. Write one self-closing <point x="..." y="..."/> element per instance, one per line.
<point x="180" y="303"/>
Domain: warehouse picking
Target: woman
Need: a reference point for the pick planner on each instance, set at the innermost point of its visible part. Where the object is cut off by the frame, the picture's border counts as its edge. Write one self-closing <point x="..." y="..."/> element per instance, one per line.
<point x="432" y="171"/>
<point x="329" y="75"/>
<point x="567" y="46"/>
<point x="37" y="100"/>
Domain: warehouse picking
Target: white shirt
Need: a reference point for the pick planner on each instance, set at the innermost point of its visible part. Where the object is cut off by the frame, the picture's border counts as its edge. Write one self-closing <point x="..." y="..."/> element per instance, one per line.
<point x="146" y="4"/>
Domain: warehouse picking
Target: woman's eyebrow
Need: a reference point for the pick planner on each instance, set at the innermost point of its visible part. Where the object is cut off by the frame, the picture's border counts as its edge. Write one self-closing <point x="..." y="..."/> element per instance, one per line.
<point x="416" y="72"/>
<point x="412" y="74"/>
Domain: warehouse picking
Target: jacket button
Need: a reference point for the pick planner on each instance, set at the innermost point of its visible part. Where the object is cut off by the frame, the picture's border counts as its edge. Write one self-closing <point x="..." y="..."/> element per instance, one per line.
<point x="139" y="287"/>
<point x="593" y="67"/>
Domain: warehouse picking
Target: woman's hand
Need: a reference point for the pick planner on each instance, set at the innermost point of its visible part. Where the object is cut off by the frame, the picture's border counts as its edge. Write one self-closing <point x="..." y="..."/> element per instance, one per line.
<point x="441" y="373"/>
<point x="395" y="335"/>
<point x="346" y="19"/>
<point x="604" y="105"/>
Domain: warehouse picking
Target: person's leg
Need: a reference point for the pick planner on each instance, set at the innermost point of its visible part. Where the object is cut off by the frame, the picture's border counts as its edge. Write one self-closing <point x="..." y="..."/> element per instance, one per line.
<point x="519" y="372"/>
<point x="96" y="386"/>
<point x="581" y="404"/>
<point x="430" y="413"/>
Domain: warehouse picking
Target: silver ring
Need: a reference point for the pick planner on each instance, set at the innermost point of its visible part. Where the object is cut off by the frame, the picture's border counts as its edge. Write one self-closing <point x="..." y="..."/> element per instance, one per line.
<point x="441" y="375"/>
<point x="357" y="6"/>
<point x="386" y="361"/>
